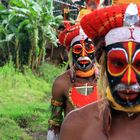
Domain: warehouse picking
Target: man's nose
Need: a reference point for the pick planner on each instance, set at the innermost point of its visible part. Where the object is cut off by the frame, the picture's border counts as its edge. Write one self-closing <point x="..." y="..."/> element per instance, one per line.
<point x="83" y="52"/>
<point x="129" y="77"/>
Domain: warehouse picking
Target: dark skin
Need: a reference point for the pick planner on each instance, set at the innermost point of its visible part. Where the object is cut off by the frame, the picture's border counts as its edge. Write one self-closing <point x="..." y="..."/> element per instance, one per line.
<point x="61" y="88"/>
<point x="89" y="123"/>
<point x="91" y="5"/>
<point x="69" y="89"/>
<point x="86" y="124"/>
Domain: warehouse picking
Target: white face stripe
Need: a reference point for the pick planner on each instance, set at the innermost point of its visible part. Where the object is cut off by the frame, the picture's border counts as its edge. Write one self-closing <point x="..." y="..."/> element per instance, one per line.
<point x="120" y="49"/>
<point x="77" y="38"/>
<point x="81" y="36"/>
<point x="135" y="55"/>
<point x="122" y="34"/>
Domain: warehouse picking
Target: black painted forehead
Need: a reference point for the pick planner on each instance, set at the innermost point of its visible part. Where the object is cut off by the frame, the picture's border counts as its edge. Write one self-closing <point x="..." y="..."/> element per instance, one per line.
<point x="87" y="40"/>
<point x="115" y="45"/>
<point x="119" y="45"/>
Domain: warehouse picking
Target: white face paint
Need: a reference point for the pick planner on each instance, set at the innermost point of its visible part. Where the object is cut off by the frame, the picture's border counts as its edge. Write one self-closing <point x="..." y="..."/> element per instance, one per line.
<point x="81" y="36"/>
<point x="123" y="34"/>
<point x="52" y="136"/>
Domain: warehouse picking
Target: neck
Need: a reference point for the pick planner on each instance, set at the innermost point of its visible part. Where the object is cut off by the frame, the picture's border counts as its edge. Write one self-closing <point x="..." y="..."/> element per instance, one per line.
<point x="85" y="74"/>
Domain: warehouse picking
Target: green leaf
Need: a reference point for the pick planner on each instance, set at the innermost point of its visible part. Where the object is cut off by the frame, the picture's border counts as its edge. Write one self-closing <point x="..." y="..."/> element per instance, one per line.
<point x="2" y="7"/>
<point x="23" y="24"/>
<point x="36" y="7"/>
<point x="22" y="10"/>
<point x="58" y="17"/>
<point x="18" y="3"/>
<point x="5" y="21"/>
<point x="30" y="22"/>
<point x="9" y="37"/>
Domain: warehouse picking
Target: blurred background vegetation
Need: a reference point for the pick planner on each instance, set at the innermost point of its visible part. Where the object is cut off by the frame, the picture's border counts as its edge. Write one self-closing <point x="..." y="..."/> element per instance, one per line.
<point x="27" y="29"/>
<point x="25" y="101"/>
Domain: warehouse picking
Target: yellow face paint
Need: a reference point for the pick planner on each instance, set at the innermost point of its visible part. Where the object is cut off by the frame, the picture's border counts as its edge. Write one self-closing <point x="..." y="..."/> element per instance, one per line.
<point x="117" y="106"/>
<point x="123" y="72"/>
<point x="85" y="74"/>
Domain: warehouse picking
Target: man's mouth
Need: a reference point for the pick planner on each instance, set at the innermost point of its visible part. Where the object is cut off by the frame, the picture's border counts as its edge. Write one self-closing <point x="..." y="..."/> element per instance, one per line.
<point x="84" y="60"/>
<point x="128" y="95"/>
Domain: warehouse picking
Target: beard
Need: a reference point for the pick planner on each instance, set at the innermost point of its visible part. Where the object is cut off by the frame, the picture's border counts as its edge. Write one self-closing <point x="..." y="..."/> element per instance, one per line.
<point x="126" y="95"/>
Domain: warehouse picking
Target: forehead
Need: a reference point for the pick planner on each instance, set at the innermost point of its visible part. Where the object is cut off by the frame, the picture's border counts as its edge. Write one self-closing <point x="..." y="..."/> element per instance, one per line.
<point x="126" y="46"/>
<point x="87" y="40"/>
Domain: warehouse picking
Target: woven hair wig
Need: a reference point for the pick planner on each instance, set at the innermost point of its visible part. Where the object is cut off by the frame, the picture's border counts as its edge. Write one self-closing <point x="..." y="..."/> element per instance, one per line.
<point x="68" y="34"/>
<point x="98" y="23"/>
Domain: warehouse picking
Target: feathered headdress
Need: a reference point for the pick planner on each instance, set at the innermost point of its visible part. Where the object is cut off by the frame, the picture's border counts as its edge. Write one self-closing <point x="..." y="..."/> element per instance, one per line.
<point x="70" y="35"/>
<point x="116" y="24"/>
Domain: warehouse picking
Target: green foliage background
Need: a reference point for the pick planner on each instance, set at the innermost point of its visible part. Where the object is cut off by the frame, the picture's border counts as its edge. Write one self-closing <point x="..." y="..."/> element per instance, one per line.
<point x="25" y="102"/>
<point x="26" y="28"/>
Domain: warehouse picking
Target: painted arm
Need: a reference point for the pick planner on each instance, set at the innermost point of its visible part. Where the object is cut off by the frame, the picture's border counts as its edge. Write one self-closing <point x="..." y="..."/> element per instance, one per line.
<point x="57" y="105"/>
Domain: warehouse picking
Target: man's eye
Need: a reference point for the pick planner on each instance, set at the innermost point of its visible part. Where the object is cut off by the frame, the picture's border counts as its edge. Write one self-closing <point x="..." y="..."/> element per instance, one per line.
<point x="118" y="63"/>
<point x="90" y="47"/>
<point x="77" y="49"/>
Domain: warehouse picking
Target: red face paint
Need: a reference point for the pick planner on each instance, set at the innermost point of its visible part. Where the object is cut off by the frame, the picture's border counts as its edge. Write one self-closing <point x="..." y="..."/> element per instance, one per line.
<point x="83" y="54"/>
<point x="124" y="62"/>
<point x="123" y="70"/>
<point x="78" y="48"/>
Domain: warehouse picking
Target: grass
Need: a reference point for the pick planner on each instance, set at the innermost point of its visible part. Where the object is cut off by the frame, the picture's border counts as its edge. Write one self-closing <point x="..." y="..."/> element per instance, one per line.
<point x="50" y="72"/>
<point x="9" y="130"/>
<point x="24" y="101"/>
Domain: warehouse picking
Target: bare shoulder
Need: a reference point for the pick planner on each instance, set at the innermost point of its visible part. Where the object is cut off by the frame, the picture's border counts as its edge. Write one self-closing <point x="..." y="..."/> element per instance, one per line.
<point x="78" y="115"/>
<point x="65" y="77"/>
<point x="60" y="83"/>
<point x="79" y="120"/>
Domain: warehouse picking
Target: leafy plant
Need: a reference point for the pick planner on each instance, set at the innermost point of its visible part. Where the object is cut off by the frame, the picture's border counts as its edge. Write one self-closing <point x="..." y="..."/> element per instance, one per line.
<point x="27" y="26"/>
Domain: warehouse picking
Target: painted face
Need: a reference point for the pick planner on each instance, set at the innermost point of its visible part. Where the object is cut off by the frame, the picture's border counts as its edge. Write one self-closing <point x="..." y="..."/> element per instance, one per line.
<point x="123" y="72"/>
<point x="83" y="54"/>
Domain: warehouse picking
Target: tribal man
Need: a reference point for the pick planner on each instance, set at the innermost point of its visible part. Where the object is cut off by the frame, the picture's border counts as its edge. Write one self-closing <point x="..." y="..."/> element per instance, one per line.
<point x="91" y="5"/>
<point x="77" y="86"/>
<point x="116" y="32"/>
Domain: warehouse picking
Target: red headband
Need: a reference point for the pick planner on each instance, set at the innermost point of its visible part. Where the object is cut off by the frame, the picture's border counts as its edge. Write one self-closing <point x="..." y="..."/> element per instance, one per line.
<point x="71" y="35"/>
<point x="68" y="34"/>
